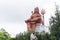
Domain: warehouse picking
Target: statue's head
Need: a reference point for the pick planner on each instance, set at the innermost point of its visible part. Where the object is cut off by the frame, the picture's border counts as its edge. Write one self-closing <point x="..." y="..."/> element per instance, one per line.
<point x="36" y="10"/>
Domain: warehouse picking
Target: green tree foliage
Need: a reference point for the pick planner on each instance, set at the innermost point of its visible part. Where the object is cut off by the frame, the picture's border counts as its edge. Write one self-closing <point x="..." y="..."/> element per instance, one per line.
<point x="4" y="35"/>
<point x="13" y="39"/>
<point x="55" y="25"/>
<point x="26" y="36"/>
<point x="23" y="36"/>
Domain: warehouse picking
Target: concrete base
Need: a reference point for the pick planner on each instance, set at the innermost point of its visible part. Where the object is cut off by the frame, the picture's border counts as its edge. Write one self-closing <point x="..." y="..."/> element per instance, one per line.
<point x="42" y="28"/>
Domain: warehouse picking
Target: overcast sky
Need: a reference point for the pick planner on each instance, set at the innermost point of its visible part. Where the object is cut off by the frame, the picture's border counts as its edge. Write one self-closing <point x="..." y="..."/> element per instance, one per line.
<point x="13" y="13"/>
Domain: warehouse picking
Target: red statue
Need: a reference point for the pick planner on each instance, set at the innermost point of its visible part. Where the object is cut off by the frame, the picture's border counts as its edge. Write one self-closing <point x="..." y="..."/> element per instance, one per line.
<point x="35" y="19"/>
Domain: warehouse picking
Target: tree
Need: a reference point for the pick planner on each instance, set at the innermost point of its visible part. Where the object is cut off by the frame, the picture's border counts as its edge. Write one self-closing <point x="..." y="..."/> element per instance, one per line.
<point x="55" y="24"/>
<point x="4" y="35"/>
<point x="23" y="36"/>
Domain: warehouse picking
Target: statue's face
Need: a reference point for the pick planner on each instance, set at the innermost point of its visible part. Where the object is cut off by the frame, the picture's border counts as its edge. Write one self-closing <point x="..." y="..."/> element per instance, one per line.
<point x="36" y="9"/>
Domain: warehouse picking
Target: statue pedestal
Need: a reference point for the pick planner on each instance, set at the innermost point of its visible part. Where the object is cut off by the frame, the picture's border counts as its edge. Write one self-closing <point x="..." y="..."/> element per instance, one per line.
<point x="42" y="28"/>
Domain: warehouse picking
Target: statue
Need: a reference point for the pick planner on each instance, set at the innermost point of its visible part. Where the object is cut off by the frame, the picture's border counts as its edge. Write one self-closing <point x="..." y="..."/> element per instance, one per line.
<point x="35" y="19"/>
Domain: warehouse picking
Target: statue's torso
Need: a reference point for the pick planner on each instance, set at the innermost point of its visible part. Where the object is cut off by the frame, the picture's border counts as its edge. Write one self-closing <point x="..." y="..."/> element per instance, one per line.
<point x="36" y="17"/>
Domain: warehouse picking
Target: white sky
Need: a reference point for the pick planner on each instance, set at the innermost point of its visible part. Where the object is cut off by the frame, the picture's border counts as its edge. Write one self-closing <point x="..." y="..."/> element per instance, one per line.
<point x="13" y="13"/>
